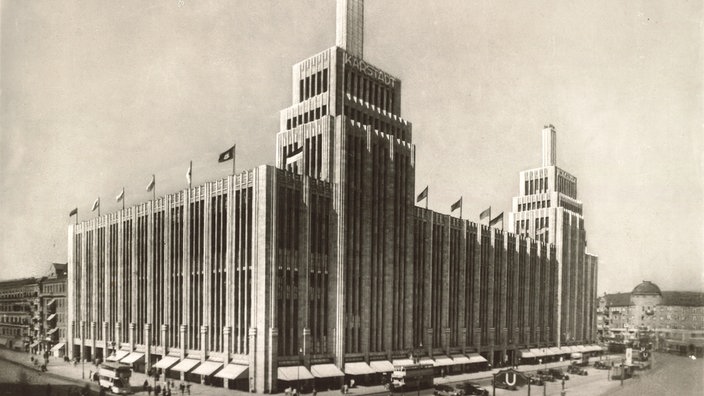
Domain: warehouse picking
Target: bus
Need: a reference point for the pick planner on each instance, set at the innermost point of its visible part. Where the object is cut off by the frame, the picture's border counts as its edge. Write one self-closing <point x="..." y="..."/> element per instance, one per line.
<point x="115" y="378"/>
<point x="415" y="376"/>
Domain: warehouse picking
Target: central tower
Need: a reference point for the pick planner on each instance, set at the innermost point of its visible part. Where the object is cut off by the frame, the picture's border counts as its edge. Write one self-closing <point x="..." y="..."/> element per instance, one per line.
<point x="345" y="127"/>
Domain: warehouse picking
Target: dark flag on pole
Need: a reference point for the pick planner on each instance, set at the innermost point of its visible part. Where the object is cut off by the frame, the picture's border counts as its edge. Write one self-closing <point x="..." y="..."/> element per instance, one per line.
<point x="486" y="213"/>
<point x="227" y="155"/>
<point x="73" y="212"/>
<point x="499" y="218"/>
<point x="456" y="205"/>
<point x="423" y="195"/>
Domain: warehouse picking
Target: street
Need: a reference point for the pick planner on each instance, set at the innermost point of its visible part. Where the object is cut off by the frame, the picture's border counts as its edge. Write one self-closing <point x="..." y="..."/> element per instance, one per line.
<point x="19" y="380"/>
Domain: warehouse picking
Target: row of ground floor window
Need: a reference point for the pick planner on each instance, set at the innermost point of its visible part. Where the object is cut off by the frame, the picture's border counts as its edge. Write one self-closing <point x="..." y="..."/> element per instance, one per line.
<point x="322" y="376"/>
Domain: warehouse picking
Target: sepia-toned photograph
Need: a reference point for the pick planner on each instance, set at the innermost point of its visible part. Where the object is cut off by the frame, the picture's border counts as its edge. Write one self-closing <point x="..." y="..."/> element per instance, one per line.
<point x="350" y="197"/>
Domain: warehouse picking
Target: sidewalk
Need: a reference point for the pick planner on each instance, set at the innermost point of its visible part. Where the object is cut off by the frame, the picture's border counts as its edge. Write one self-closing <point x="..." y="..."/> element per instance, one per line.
<point x="67" y="370"/>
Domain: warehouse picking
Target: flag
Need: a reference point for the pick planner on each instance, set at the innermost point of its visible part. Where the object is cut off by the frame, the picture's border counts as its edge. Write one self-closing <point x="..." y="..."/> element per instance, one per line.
<point x="541" y="231"/>
<point x="189" y="172"/>
<point x="121" y="195"/>
<point x="227" y="155"/>
<point x="456" y="205"/>
<point x="485" y="214"/>
<point x="73" y="212"/>
<point x="499" y="218"/>
<point x="150" y="186"/>
<point x="96" y="204"/>
<point x="423" y="195"/>
<point x="294" y="156"/>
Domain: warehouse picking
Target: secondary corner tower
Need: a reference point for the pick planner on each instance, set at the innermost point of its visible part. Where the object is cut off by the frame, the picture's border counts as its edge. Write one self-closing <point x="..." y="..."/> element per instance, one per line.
<point x="547" y="209"/>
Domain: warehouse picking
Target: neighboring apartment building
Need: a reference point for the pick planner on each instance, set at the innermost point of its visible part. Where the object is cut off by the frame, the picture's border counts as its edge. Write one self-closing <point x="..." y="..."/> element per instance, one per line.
<point x="19" y="313"/>
<point x="674" y="320"/>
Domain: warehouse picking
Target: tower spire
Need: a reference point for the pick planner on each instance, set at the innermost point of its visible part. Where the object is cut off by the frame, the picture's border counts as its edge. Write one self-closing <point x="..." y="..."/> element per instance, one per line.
<point x="549" y="145"/>
<point x="350" y="26"/>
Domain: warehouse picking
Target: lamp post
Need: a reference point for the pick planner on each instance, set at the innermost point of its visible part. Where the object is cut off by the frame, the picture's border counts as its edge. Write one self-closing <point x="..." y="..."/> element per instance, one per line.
<point x="298" y="370"/>
<point x="420" y="350"/>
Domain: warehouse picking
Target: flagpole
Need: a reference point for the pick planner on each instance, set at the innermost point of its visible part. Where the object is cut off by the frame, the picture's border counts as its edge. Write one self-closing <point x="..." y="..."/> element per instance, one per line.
<point x="461" y="208"/>
<point x="190" y="174"/>
<point x="234" y="157"/>
<point x="123" y="198"/>
<point x="76" y="216"/>
<point x="426" y="197"/>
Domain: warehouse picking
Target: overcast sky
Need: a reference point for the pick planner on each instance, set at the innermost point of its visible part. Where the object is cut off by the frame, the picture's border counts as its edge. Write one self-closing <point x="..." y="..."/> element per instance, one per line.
<point x="101" y="95"/>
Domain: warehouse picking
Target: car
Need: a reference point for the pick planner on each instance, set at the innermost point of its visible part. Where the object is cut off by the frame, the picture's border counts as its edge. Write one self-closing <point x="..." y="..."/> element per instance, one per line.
<point x="574" y="369"/>
<point x="471" y="388"/>
<point x="558" y="374"/>
<point x="447" y="390"/>
<point x="601" y="365"/>
<point x="546" y="376"/>
<point x="536" y="380"/>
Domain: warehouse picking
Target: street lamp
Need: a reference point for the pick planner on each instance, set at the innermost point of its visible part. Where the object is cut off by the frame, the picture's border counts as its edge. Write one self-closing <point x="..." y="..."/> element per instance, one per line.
<point x="298" y="370"/>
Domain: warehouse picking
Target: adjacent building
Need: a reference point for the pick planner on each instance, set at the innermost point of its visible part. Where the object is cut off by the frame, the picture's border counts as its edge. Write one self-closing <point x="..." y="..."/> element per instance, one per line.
<point x="316" y="269"/>
<point x="673" y="320"/>
<point x="547" y="209"/>
<point x="33" y="312"/>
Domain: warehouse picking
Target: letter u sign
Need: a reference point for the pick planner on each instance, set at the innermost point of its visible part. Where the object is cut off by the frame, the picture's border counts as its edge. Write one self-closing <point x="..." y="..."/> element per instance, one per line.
<point x="512" y="381"/>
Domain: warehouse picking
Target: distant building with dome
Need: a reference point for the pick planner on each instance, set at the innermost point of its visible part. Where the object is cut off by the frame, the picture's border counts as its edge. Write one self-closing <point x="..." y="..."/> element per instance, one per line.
<point x="673" y="319"/>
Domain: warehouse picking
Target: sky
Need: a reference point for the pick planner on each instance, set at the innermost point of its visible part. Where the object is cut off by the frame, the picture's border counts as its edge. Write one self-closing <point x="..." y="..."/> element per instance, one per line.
<point x="97" y="96"/>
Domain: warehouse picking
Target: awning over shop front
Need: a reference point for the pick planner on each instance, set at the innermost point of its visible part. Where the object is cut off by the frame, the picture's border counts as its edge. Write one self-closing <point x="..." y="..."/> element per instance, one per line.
<point x="117" y="356"/>
<point x="132" y="357"/>
<point x="233" y="371"/>
<point x="32" y="345"/>
<point x="527" y="354"/>
<point x="555" y="351"/>
<point x="564" y="350"/>
<point x="443" y="361"/>
<point x="18" y="344"/>
<point x="426" y="360"/>
<point x="476" y="358"/>
<point x="580" y="348"/>
<point x="460" y="359"/>
<point x="207" y="368"/>
<point x="540" y="352"/>
<point x="166" y="362"/>
<point x="382" y="366"/>
<point x="3" y="341"/>
<point x="327" y="370"/>
<point x="294" y="373"/>
<point x="358" y="368"/>
<point x="186" y="365"/>
<point x="52" y="330"/>
<point x="53" y="300"/>
<point x="50" y="317"/>
<point x="403" y="362"/>
<point x="57" y="347"/>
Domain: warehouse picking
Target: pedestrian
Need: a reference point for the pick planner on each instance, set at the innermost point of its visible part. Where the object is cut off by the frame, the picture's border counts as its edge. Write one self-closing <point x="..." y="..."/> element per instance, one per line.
<point x="149" y="390"/>
<point x="294" y="392"/>
<point x="182" y="387"/>
<point x="144" y="385"/>
<point x="188" y="389"/>
<point x="102" y="391"/>
<point x="157" y="389"/>
<point x="352" y="383"/>
<point x="315" y="392"/>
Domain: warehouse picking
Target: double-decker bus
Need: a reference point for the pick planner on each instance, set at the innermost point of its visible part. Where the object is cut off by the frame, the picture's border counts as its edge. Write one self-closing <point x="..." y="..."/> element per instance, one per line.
<point x="115" y="377"/>
<point x="415" y="376"/>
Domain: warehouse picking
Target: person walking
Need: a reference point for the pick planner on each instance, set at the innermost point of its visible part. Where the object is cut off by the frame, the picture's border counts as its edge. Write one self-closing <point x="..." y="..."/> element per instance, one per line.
<point x="188" y="389"/>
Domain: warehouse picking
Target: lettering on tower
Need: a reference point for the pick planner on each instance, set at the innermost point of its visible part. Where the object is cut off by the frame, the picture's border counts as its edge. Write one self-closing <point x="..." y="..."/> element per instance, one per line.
<point x="368" y="69"/>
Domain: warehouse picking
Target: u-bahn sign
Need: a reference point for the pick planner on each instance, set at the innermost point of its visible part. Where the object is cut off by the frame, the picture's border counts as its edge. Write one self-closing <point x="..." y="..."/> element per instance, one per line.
<point x="510" y="379"/>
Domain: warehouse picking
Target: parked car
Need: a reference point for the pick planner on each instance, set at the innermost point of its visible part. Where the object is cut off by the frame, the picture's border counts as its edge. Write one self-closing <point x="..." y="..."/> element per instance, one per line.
<point x="574" y="369"/>
<point x="471" y="388"/>
<point x="601" y="365"/>
<point x="558" y="374"/>
<point x="546" y="376"/>
<point x="447" y="390"/>
<point x="536" y="380"/>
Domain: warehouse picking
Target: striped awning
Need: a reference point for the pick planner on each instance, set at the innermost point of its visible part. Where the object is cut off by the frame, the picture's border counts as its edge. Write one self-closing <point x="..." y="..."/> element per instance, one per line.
<point x="57" y="347"/>
<point x="294" y="373"/>
<point x="476" y="358"/>
<point x="525" y="354"/>
<point x="53" y="300"/>
<point x="382" y="366"/>
<point x="540" y="352"/>
<point x="52" y="330"/>
<point x="50" y="317"/>
<point x="327" y="370"/>
<point x="426" y="360"/>
<point x="186" y="365"/>
<point x="460" y="359"/>
<point x="207" y="368"/>
<point x="403" y="362"/>
<point x="358" y="368"/>
<point x="167" y="362"/>
<point x="443" y="361"/>
<point x="132" y="357"/>
<point x="233" y="371"/>
<point x="117" y="356"/>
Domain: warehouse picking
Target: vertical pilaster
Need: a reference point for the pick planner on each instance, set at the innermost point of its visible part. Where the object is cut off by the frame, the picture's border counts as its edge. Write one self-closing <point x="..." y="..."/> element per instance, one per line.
<point x="203" y="347"/>
<point x="164" y="340"/>
<point x="148" y="347"/>
<point x="106" y="340"/>
<point x="131" y="336"/>
<point x="226" y="337"/>
<point x="182" y="343"/>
